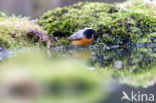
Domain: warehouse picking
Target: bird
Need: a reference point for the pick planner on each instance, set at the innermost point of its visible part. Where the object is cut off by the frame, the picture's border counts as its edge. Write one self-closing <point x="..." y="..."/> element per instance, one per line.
<point x="83" y="37"/>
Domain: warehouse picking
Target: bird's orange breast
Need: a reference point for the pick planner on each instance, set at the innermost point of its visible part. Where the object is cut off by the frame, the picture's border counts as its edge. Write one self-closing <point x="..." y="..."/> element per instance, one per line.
<point x="83" y="41"/>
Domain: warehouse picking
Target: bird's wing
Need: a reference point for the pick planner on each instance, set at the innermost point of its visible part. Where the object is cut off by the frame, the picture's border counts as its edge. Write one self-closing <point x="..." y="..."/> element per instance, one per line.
<point x="76" y="36"/>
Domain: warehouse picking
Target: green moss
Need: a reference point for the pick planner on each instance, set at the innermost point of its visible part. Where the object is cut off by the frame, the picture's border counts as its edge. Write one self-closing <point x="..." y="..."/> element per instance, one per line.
<point x="147" y="38"/>
<point x="13" y="31"/>
<point x="115" y="23"/>
<point x="62" y="22"/>
<point x="129" y="28"/>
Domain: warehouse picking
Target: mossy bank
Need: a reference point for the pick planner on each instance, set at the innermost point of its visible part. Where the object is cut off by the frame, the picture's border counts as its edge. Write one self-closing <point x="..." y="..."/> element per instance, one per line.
<point x="13" y="31"/>
<point x="133" y="21"/>
<point x="123" y="23"/>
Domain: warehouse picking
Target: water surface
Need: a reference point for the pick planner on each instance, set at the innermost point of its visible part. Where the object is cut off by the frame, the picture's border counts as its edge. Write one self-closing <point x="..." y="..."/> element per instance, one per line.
<point x="76" y="75"/>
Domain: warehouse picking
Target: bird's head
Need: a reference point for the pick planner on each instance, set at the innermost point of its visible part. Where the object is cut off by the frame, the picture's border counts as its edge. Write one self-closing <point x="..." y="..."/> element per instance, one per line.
<point x="89" y="33"/>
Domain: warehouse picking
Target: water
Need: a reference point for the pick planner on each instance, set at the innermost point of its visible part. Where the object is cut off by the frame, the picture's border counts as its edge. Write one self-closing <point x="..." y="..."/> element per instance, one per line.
<point x="133" y="59"/>
<point x="94" y="74"/>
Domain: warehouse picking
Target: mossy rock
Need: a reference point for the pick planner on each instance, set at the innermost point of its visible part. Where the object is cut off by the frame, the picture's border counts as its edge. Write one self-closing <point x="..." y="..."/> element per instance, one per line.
<point x="13" y="31"/>
<point x="129" y="28"/>
<point x="113" y="24"/>
<point x="62" y="22"/>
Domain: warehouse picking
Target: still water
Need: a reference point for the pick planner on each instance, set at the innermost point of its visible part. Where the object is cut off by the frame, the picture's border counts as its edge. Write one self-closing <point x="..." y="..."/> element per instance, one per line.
<point x="69" y="74"/>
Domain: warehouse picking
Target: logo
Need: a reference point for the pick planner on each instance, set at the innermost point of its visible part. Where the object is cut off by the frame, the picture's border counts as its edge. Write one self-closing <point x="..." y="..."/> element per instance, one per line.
<point x="137" y="97"/>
